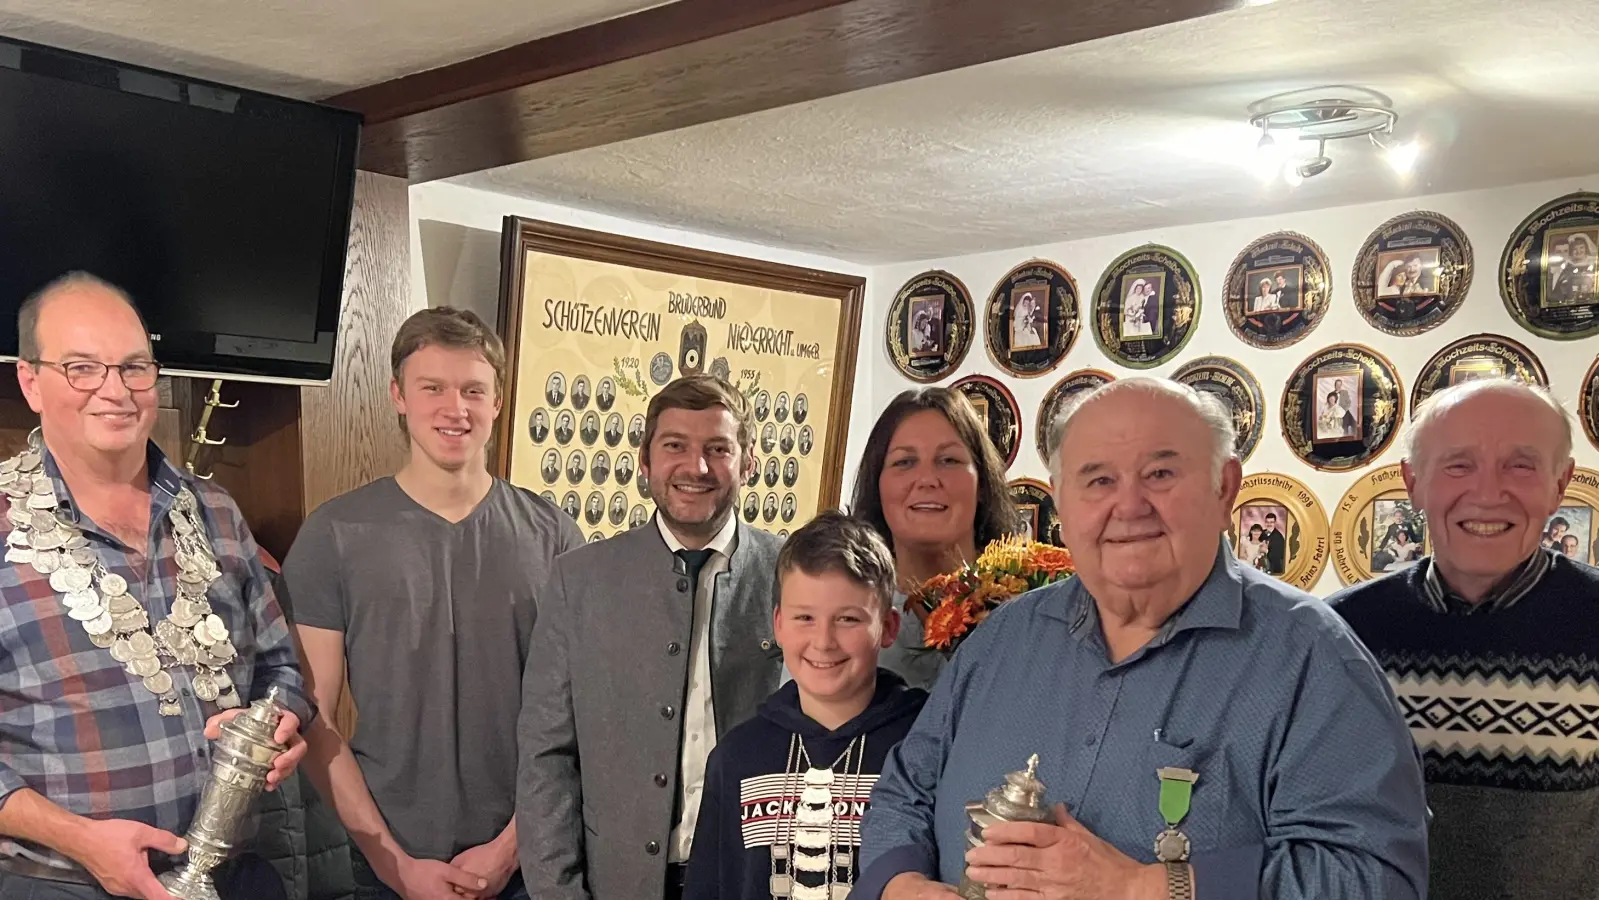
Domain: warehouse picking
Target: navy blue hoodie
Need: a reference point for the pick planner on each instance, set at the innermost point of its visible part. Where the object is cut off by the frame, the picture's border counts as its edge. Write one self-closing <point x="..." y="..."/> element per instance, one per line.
<point x="754" y="778"/>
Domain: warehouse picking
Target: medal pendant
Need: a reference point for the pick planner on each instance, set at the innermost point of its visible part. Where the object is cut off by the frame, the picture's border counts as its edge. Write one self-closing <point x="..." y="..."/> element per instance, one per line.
<point x="779" y="885"/>
<point x="1171" y="845"/>
<point x="840" y="891"/>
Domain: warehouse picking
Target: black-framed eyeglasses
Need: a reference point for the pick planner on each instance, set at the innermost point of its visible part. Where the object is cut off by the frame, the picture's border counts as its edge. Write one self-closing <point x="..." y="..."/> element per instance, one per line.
<point x="89" y="375"/>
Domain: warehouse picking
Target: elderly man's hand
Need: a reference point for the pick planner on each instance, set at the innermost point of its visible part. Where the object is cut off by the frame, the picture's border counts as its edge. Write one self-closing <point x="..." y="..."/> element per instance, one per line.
<point x="1064" y="861"/>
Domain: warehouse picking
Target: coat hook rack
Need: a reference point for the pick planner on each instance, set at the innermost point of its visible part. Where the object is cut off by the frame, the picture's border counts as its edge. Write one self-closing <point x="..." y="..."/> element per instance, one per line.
<point x="200" y="438"/>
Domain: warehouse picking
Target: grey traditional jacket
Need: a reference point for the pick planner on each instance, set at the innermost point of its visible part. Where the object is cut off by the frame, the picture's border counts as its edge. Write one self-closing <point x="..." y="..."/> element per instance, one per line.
<point x="601" y="723"/>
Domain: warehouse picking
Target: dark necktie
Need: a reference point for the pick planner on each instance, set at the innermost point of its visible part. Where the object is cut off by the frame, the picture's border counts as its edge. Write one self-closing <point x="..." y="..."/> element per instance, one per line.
<point x="693" y="562"/>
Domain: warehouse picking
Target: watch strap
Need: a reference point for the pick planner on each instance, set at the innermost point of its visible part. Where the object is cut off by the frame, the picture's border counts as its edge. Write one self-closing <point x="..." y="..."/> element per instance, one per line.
<point x="1179" y="881"/>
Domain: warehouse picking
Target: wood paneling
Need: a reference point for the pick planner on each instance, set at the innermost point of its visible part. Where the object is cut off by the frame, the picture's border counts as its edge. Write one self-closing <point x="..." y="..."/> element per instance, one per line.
<point x="348" y="431"/>
<point x="696" y="61"/>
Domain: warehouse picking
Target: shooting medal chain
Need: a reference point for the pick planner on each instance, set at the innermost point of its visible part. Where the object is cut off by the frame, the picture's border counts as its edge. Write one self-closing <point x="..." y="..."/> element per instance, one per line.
<point x="98" y="599"/>
<point x="809" y="839"/>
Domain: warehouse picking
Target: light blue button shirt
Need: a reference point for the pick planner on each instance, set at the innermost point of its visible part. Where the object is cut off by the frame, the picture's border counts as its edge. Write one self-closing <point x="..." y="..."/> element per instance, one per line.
<point x="1309" y="783"/>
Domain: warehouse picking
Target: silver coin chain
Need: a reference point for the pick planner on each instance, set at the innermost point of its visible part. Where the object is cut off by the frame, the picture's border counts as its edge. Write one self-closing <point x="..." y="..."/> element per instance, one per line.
<point x="191" y="634"/>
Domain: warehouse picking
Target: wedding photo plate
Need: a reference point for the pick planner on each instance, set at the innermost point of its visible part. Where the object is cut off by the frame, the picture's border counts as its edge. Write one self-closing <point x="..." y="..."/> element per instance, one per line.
<point x="1546" y="276"/>
<point x="1036" y="506"/>
<point x="1376" y="529"/>
<point x="1280" y="528"/>
<point x="1032" y="318"/>
<point x="1239" y="392"/>
<point x="1056" y="399"/>
<point x="1278" y="290"/>
<point x="929" y="327"/>
<point x="1412" y="273"/>
<point x="1342" y="407"/>
<point x="1146" y="306"/>
<point x="997" y="411"/>
<point x="1588" y="404"/>
<point x="1574" y="528"/>
<point x="1474" y="357"/>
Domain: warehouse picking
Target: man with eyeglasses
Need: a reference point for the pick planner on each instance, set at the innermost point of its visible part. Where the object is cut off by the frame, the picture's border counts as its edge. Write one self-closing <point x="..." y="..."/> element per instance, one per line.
<point x="135" y="618"/>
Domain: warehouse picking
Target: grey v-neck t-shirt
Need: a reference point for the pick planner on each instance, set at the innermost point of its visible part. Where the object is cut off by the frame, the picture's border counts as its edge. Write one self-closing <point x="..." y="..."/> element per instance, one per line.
<point x="436" y="618"/>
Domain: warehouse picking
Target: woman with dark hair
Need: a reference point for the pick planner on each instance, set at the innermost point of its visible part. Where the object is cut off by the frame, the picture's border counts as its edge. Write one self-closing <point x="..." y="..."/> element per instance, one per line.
<point x="933" y="486"/>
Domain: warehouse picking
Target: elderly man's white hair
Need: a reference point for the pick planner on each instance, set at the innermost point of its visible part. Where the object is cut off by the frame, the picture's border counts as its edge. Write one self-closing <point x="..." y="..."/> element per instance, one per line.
<point x="1223" y="434"/>
<point x="1433" y="408"/>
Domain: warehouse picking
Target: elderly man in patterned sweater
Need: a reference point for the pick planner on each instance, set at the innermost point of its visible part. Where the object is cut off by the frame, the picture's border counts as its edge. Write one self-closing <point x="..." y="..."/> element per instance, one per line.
<point x="1492" y="645"/>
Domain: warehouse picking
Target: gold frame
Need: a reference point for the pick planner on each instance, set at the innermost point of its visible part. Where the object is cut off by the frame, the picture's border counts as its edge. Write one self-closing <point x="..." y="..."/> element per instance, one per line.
<point x="1347" y="552"/>
<point x="1303" y="569"/>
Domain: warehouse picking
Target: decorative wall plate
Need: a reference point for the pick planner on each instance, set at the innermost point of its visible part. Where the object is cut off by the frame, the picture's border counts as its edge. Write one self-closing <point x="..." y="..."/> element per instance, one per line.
<point x="1055" y="400"/>
<point x="1237" y="388"/>
<point x="1278" y="290"/>
<point x="1376" y="529"/>
<point x="929" y="327"/>
<point x="1145" y="306"/>
<point x="1588" y="404"/>
<point x="1342" y="407"/>
<point x="997" y="410"/>
<point x="1280" y="528"/>
<point x="1040" y="520"/>
<point x="1412" y="273"/>
<point x="1574" y="528"/>
<point x="1546" y="276"/>
<point x="1470" y="358"/>
<point x="1032" y="318"/>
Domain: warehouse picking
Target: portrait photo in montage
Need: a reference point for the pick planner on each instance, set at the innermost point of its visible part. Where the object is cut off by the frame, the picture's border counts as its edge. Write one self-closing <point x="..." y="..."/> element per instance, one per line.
<point x="1145" y="306"/>
<point x="1547" y="273"/>
<point x="1277" y="290"/>
<point x="1412" y="273"/>
<point x="1142" y="297"/>
<point x="1338" y="389"/>
<point x="555" y="389"/>
<point x="929" y="328"/>
<point x="551" y="467"/>
<point x="639" y="516"/>
<point x="572" y="505"/>
<point x="802" y="409"/>
<point x="605" y="395"/>
<point x="1279" y="527"/>
<point x="752" y="507"/>
<point x="1029" y="318"/>
<point x="1036" y="505"/>
<point x="997" y="410"/>
<point x="590" y="429"/>
<point x="772" y="473"/>
<point x="576" y="467"/>
<point x="1055" y="400"/>
<point x="1342" y="407"/>
<point x="580" y="392"/>
<point x="1238" y="392"/>
<point x="613" y="430"/>
<point x="624" y="468"/>
<point x="1474" y="357"/>
<point x="565" y="427"/>
<point x="1376" y="528"/>
<point x="807" y="439"/>
<point x="780" y="409"/>
<point x="600" y="467"/>
<point x="538" y="426"/>
<point x="763" y="405"/>
<point x="1032" y="318"/>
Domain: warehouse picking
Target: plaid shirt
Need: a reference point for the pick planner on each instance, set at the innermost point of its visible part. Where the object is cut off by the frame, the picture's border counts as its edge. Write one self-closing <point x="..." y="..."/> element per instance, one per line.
<point x="75" y="726"/>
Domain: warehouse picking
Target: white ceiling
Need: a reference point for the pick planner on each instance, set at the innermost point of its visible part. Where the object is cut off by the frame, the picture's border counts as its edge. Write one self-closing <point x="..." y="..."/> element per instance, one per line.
<point x="299" y="48"/>
<point x="1134" y="132"/>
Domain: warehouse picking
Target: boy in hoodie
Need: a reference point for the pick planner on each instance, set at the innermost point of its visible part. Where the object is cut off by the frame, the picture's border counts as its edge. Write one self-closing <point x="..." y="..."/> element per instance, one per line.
<point x="785" y="791"/>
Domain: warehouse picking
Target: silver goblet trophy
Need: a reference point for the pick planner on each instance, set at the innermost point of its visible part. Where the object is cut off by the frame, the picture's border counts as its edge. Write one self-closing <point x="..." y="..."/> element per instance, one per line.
<point x="1020" y="799"/>
<point x="240" y="762"/>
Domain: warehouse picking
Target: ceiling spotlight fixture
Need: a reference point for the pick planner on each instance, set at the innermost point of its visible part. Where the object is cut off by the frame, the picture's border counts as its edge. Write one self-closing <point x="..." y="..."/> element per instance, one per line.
<point x="1316" y="116"/>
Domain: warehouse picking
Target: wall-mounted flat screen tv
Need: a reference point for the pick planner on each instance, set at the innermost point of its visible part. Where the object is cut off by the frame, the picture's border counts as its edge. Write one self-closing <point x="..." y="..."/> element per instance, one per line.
<point x="224" y="213"/>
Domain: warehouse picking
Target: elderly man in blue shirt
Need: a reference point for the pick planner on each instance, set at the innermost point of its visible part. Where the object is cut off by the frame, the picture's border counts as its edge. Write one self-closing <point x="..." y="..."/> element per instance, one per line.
<point x="1201" y="728"/>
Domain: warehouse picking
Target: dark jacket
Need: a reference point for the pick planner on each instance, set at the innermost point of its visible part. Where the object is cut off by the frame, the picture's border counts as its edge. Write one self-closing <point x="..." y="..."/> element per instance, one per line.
<point x="757" y="773"/>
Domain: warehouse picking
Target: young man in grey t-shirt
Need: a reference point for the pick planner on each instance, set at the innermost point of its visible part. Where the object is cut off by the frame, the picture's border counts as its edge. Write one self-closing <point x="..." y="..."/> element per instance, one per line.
<point x="417" y="592"/>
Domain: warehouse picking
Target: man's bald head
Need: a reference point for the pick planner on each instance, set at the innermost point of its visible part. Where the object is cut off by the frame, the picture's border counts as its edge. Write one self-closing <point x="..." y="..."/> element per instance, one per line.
<point x="1479" y="393"/>
<point x="70" y="283"/>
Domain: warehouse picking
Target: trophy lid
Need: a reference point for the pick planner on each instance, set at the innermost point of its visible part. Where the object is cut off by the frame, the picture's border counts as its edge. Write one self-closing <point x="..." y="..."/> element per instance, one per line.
<point x="1024" y="788"/>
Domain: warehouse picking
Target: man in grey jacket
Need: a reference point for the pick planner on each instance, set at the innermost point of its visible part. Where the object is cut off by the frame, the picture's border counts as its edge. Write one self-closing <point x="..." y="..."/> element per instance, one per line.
<point x="647" y="648"/>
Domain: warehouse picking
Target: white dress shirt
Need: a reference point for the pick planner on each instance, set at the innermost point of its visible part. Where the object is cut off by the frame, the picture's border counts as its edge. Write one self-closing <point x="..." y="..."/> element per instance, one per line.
<point x="699" y="715"/>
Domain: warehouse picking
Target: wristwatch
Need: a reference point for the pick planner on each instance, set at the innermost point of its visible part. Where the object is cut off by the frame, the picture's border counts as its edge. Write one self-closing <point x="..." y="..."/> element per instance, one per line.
<point x="1179" y="881"/>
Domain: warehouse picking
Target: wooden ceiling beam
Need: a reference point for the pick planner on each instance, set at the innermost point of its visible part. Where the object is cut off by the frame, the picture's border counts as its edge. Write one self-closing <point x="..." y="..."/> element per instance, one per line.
<point x="696" y="61"/>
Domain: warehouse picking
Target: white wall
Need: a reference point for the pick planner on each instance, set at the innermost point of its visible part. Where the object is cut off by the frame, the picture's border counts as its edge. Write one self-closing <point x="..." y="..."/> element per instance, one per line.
<point x="455" y="261"/>
<point x="1486" y="216"/>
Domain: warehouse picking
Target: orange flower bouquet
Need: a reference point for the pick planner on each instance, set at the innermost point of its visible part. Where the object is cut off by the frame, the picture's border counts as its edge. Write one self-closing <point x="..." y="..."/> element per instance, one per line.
<point x="951" y="605"/>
